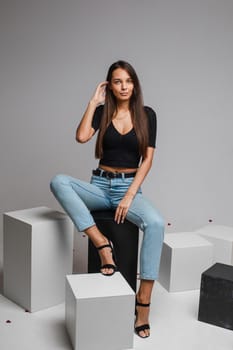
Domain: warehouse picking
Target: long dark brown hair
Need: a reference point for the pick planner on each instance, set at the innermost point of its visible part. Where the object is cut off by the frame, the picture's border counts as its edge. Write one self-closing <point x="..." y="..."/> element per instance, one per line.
<point x="136" y="107"/>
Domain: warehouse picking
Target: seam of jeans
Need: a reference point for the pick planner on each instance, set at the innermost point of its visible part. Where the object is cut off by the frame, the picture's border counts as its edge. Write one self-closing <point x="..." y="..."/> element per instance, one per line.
<point x="83" y="188"/>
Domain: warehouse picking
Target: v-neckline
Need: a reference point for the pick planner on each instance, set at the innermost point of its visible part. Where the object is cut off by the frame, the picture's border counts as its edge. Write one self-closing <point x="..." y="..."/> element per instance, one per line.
<point x="119" y="131"/>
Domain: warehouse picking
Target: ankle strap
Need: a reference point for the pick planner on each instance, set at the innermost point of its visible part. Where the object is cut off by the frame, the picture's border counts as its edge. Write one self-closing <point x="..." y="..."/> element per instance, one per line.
<point x="104" y="246"/>
<point x="141" y="304"/>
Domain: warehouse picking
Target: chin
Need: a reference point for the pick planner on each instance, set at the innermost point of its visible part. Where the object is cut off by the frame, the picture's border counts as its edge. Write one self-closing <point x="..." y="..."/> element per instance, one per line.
<point x="124" y="98"/>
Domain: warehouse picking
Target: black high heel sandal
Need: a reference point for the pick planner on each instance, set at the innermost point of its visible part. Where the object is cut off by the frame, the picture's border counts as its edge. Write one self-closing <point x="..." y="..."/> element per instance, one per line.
<point x="108" y="266"/>
<point x="143" y="327"/>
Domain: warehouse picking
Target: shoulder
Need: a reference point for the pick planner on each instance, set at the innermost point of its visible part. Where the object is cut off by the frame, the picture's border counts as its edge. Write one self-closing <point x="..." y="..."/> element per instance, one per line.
<point x="152" y="125"/>
<point x="97" y="117"/>
<point x="99" y="109"/>
<point x="98" y="112"/>
<point x="150" y="112"/>
<point x="151" y="115"/>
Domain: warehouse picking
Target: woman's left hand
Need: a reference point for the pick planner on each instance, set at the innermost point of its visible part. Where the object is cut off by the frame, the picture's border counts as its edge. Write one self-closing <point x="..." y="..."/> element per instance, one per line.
<point x="123" y="207"/>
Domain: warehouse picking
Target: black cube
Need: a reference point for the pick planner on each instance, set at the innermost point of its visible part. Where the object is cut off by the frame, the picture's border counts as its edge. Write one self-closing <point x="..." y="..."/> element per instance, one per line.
<point x="124" y="237"/>
<point x="216" y="296"/>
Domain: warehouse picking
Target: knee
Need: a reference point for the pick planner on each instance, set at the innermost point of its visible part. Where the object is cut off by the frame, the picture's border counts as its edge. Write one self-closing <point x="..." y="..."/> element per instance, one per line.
<point x="160" y="223"/>
<point x="57" y="181"/>
<point x="157" y="223"/>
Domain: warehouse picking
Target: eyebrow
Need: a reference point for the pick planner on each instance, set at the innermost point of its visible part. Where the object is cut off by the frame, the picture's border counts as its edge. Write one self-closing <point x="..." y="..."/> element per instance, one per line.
<point x="121" y="79"/>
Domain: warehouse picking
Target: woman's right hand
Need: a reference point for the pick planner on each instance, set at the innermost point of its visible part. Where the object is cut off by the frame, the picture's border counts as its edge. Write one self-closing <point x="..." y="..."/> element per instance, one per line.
<point x="99" y="94"/>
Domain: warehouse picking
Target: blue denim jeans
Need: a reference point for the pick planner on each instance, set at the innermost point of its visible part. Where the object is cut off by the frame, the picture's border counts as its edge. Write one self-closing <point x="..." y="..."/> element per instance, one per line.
<point x="78" y="198"/>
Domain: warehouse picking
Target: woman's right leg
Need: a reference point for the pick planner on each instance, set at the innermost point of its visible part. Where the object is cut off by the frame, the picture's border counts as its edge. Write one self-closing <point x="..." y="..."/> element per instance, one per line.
<point x="77" y="198"/>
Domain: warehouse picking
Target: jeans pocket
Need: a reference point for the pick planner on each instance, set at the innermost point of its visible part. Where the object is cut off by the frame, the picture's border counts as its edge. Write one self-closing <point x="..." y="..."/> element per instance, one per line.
<point x="99" y="181"/>
<point x="128" y="182"/>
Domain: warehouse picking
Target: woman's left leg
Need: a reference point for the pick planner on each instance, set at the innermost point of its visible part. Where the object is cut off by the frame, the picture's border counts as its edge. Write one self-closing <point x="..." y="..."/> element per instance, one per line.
<point x="148" y="219"/>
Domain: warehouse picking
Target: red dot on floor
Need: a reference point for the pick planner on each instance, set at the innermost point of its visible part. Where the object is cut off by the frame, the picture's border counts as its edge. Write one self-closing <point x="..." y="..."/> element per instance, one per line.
<point x="8" y="321"/>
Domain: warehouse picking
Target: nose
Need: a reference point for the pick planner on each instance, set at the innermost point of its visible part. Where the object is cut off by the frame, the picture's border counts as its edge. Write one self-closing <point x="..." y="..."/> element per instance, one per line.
<point x="123" y="86"/>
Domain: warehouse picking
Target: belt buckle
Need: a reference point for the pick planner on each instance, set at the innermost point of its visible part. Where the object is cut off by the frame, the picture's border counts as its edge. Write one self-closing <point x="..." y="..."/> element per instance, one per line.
<point x="110" y="175"/>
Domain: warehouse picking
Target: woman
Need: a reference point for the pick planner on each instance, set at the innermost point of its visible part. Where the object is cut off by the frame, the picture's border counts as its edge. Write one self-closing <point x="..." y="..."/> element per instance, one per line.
<point x="125" y="146"/>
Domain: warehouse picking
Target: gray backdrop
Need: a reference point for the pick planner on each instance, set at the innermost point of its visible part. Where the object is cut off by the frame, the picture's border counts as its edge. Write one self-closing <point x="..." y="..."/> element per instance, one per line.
<point x="52" y="55"/>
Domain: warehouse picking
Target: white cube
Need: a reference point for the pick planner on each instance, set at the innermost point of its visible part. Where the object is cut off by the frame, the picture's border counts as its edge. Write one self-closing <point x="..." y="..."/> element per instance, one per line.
<point x="222" y="239"/>
<point x="38" y="254"/>
<point x="184" y="257"/>
<point x="80" y="263"/>
<point x="99" y="312"/>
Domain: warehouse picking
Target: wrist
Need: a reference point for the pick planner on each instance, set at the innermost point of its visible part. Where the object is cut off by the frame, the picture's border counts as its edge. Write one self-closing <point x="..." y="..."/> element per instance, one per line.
<point x="130" y="194"/>
<point x="93" y="103"/>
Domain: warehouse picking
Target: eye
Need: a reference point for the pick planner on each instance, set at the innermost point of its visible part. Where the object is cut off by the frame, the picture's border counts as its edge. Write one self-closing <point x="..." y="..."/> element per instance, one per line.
<point x="117" y="82"/>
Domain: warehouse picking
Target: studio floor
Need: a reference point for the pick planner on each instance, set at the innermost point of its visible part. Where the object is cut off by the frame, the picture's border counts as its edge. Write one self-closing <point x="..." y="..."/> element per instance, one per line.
<point x="174" y="326"/>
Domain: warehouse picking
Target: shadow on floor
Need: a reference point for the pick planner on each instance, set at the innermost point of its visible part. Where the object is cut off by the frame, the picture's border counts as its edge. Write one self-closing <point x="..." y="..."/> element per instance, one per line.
<point x="64" y="339"/>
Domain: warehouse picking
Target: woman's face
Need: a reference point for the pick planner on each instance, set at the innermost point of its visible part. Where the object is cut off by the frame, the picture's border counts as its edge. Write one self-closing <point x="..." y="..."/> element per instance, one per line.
<point x="121" y="85"/>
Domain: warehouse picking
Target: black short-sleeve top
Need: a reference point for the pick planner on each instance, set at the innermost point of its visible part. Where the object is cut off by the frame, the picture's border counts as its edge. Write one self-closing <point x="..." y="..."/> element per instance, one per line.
<point x="122" y="151"/>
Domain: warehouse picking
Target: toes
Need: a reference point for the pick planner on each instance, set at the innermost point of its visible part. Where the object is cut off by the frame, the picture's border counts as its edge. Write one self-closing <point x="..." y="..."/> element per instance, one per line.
<point x="107" y="271"/>
<point x="144" y="334"/>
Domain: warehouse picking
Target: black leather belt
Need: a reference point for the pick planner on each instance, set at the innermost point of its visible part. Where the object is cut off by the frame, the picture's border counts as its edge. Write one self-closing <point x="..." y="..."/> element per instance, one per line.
<point x="111" y="175"/>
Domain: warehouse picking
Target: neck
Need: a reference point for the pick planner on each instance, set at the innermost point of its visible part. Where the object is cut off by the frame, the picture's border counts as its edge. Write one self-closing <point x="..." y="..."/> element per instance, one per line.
<point x="123" y="106"/>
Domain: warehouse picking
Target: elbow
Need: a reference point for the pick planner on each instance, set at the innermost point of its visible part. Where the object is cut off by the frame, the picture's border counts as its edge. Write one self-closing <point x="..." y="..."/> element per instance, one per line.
<point x="149" y="165"/>
<point x="148" y="162"/>
<point x="81" y="138"/>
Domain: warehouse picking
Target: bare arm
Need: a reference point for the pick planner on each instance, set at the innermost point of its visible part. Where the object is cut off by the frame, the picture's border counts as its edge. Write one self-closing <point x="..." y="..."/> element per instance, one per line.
<point x="85" y="130"/>
<point x="142" y="171"/>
